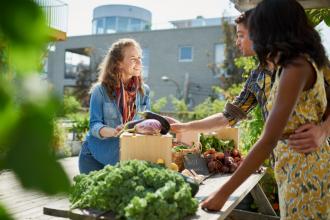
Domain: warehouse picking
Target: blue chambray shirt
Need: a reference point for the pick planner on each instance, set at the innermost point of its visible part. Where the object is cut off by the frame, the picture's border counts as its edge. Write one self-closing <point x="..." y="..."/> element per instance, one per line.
<point x="105" y="112"/>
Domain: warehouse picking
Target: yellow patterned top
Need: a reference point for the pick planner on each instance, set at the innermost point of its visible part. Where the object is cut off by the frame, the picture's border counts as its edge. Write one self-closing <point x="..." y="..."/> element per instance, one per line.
<point x="310" y="106"/>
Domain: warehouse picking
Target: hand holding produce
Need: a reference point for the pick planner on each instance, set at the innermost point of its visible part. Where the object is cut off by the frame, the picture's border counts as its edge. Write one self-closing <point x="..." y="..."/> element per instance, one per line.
<point x="145" y="126"/>
<point x="165" y="125"/>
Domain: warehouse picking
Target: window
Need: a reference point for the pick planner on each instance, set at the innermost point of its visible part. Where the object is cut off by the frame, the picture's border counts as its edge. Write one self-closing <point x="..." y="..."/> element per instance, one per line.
<point x="74" y="63"/>
<point x="135" y="24"/>
<point x="219" y="53"/>
<point x="99" y="26"/>
<point x="145" y="26"/>
<point x="122" y="24"/>
<point x="110" y="25"/>
<point x="185" y="54"/>
<point x="94" y="27"/>
<point x="145" y="62"/>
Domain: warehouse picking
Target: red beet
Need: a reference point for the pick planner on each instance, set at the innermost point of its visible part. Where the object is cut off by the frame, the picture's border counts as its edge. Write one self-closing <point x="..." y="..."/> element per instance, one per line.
<point x="236" y="159"/>
<point x="235" y="153"/>
<point x="232" y="167"/>
<point x="229" y="161"/>
<point x="225" y="169"/>
<point x="219" y="155"/>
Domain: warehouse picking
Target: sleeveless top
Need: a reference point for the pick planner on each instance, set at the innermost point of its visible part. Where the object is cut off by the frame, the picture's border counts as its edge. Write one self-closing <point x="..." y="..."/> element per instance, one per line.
<point x="311" y="103"/>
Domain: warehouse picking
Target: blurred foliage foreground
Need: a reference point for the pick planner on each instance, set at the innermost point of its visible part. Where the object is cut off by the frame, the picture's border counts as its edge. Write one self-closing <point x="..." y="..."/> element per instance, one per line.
<point x="27" y="107"/>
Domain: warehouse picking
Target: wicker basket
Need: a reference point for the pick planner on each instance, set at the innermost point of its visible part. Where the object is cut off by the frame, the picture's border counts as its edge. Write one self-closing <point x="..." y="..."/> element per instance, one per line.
<point x="177" y="157"/>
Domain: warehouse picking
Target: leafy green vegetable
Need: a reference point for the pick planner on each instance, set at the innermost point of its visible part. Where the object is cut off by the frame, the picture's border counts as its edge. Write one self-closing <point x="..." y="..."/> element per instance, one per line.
<point x="179" y="148"/>
<point x="135" y="190"/>
<point x="219" y="145"/>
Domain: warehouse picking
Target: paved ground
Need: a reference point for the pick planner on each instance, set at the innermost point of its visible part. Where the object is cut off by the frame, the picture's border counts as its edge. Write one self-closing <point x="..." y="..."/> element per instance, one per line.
<point x="23" y="204"/>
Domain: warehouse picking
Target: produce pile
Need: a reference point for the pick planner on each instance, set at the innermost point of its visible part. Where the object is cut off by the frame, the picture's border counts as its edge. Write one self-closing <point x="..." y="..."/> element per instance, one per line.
<point x="135" y="190"/>
<point x="221" y="155"/>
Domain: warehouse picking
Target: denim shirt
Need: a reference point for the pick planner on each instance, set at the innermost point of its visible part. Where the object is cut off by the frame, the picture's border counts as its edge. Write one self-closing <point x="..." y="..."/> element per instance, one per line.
<point x="105" y="112"/>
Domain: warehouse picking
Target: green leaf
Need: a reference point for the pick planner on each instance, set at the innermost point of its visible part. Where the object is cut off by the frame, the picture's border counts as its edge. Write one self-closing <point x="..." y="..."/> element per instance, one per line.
<point x="23" y="22"/>
<point x="25" y="59"/>
<point x="4" y="215"/>
<point x="23" y="27"/>
<point x="327" y="20"/>
<point x="4" y="96"/>
<point x="8" y="117"/>
<point x="30" y="154"/>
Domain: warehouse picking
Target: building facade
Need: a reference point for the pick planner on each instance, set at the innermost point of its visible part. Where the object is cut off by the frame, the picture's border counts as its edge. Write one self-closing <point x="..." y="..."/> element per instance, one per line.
<point x="176" y="61"/>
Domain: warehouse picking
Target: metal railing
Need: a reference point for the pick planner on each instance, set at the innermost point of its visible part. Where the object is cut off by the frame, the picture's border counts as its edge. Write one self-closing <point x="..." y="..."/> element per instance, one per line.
<point x="56" y="12"/>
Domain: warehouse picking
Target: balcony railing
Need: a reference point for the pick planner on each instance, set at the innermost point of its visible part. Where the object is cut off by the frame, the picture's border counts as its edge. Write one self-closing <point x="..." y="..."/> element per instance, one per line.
<point x="56" y="12"/>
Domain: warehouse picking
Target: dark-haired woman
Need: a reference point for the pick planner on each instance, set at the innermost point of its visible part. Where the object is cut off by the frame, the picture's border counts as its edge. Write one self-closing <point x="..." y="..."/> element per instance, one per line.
<point x="282" y="35"/>
<point x="115" y="99"/>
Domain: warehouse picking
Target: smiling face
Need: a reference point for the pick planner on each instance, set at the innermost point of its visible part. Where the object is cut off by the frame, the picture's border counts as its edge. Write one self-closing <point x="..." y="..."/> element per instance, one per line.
<point x="243" y="41"/>
<point x="132" y="63"/>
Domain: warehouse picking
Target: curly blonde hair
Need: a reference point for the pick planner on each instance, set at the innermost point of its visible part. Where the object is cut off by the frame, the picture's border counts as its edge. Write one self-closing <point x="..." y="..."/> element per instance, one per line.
<point x="109" y="72"/>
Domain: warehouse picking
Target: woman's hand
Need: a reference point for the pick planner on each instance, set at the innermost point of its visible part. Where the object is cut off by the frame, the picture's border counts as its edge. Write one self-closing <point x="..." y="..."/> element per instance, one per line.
<point x="110" y="132"/>
<point x="119" y="128"/>
<point x="307" y="138"/>
<point x="215" y="201"/>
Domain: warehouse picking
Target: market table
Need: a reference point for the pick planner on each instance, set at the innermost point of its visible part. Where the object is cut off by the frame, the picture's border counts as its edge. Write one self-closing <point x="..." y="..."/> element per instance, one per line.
<point x="61" y="208"/>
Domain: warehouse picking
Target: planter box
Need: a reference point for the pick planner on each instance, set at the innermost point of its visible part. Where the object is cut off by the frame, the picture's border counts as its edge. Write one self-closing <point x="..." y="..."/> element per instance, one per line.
<point x="75" y="147"/>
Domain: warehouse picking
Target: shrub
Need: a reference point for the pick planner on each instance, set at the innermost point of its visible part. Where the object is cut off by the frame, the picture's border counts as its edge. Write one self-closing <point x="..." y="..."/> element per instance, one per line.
<point x="70" y="105"/>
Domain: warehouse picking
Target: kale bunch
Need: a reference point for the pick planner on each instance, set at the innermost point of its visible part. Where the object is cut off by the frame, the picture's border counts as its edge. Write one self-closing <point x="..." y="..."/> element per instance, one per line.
<point x="134" y="190"/>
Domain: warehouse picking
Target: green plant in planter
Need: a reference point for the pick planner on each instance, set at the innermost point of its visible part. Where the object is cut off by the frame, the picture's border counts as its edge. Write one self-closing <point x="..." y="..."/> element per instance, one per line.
<point x="59" y="136"/>
<point x="80" y="126"/>
<point x="59" y="141"/>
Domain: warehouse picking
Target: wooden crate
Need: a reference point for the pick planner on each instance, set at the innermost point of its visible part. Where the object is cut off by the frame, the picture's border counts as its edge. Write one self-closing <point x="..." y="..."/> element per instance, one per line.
<point x="146" y="147"/>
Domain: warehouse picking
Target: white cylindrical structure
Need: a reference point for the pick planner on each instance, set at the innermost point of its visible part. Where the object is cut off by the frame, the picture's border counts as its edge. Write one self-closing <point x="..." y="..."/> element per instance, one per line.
<point x="109" y="19"/>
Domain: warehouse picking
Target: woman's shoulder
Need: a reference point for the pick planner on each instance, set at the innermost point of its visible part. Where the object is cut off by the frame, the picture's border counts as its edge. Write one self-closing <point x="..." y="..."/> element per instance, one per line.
<point x="97" y="89"/>
<point x="302" y="63"/>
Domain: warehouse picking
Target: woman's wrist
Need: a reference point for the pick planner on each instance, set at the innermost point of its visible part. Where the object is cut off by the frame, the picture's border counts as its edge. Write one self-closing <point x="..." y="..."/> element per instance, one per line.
<point x="324" y="127"/>
<point x="224" y="192"/>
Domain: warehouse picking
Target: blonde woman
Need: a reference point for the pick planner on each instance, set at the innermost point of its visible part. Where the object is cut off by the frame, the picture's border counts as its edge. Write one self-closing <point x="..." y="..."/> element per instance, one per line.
<point x="115" y="99"/>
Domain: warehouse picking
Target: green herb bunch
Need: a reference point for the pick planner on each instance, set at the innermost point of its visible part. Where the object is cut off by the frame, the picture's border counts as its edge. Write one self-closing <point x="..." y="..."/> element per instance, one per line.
<point x="135" y="190"/>
<point x="210" y="141"/>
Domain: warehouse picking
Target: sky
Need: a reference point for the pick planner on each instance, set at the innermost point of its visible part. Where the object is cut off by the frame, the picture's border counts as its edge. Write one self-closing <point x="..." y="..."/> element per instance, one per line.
<point x="80" y="13"/>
